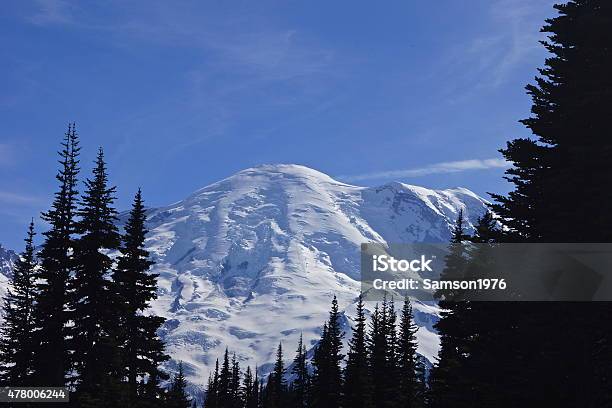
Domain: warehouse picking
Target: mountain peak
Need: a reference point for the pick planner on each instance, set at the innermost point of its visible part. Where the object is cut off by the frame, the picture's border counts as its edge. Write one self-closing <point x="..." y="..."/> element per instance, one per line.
<point x="287" y="171"/>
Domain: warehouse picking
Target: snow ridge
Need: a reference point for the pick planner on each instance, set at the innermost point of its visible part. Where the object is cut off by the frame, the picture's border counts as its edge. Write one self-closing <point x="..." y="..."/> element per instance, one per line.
<point x="255" y="258"/>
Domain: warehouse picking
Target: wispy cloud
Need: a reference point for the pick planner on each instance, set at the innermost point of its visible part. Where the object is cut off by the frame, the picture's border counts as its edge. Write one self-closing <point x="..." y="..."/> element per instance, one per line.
<point x="437" y="168"/>
<point x="238" y="39"/>
<point x="521" y="35"/>
<point x="239" y="57"/>
<point x="9" y="197"/>
<point x="489" y="59"/>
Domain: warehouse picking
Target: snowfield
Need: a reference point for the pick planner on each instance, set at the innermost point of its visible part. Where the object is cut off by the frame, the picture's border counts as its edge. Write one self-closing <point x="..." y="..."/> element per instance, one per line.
<point x="255" y="259"/>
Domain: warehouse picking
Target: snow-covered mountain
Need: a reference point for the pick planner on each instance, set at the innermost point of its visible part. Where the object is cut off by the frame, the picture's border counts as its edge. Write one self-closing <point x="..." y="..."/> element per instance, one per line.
<point x="7" y="261"/>
<point x="255" y="258"/>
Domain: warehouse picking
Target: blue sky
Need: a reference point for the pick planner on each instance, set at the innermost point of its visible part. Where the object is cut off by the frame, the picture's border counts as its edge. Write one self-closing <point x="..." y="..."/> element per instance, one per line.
<point x="183" y="93"/>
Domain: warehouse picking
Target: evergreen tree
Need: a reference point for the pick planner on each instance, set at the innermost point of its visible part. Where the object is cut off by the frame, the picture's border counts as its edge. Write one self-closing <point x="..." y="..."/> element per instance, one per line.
<point x="558" y="174"/>
<point x="409" y="378"/>
<point x="327" y="376"/>
<point x="257" y="390"/>
<point x="266" y="389"/>
<point x="392" y="347"/>
<point x="150" y="391"/>
<point x="455" y="261"/>
<point x="177" y="394"/>
<point x="276" y="388"/>
<point x="16" y="341"/>
<point x="262" y="394"/>
<point x="485" y="230"/>
<point x="212" y="390"/>
<point x="210" y="393"/>
<point x="142" y="349"/>
<point x="448" y="384"/>
<point x="356" y="379"/>
<point x="490" y="330"/>
<point x="94" y="331"/>
<point x="558" y="178"/>
<point x="249" y="389"/>
<point x="376" y="354"/>
<point x="51" y="362"/>
<point x="475" y="336"/>
<point x="235" y="386"/>
<point x="225" y="377"/>
<point x="382" y="353"/>
<point x="300" y="384"/>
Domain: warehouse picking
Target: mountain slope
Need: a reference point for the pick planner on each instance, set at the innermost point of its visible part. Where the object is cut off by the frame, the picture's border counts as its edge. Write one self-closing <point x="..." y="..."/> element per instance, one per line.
<point x="255" y="258"/>
<point x="7" y="261"/>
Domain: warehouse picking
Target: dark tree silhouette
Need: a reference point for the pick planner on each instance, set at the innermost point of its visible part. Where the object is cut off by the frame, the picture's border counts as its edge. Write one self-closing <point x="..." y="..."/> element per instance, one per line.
<point x="177" y="394"/>
<point x="357" y="382"/>
<point x="16" y="336"/>
<point x="327" y="375"/>
<point x="94" y="332"/>
<point x="142" y="350"/>
<point x="51" y="360"/>
<point x="301" y="380"/>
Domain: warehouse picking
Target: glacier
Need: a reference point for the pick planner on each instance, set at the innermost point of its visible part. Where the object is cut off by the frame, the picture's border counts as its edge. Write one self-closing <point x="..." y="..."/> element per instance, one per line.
<point x="255" y="259"/>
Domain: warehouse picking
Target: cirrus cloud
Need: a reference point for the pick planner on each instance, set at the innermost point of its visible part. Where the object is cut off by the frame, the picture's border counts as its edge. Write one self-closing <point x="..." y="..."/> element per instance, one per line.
<point x="436" y="168"/>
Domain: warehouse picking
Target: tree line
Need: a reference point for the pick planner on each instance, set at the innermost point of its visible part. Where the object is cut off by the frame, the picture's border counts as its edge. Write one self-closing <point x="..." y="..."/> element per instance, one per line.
<point x="381" y="368"/>
<point x="74" y="313"/>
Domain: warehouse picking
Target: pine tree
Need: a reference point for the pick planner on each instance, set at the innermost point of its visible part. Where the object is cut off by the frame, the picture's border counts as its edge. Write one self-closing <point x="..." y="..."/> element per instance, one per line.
<point x="490" y="331"/>
<point x="410" y="388"/>
<point x="135" y="288"/>
<point x="357" y="382"/>
<point x="51" y="362"/>
<point x="16" y="340"/>
<point x="224" y="384"/>
<point x="150" y="391"/>
<point x="262" y="393"/>
<point x="235" y="386"/>
<point x="382" y="354"/>
<point x="475" y="334"/>
<point x="96" y="349"/>
<point x="210" y="393"/>
<point x="485" y="230"/>
<point x="376" y="355"/>
<point x="276" y="388"/>
<point x="455" y="261"/>
<point x="557" y="178"/>
<point x="177" y="394"/>
<point x="448" y="383"/>
<point x="300" y="384"/>
<point x="257" y="393"/>
<point x="249" y="389"/>
<point x="392" y="349"/>
<point x="327" y="375"/>
<point x="212" y="390"/>
<point x="568" y="159"/>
